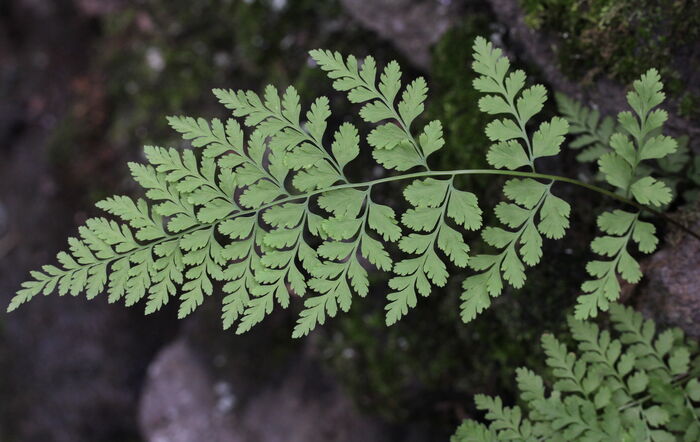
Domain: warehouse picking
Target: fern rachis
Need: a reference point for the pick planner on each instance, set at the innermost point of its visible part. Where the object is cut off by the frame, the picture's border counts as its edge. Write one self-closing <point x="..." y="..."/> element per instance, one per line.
<point x="239" y="210"/>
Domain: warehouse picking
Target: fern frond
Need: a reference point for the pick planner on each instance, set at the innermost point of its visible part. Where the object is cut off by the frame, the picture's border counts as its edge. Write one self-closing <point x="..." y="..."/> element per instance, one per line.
<point x="593" y="134"/>
<point x="248" y="206"/>
<point x="638" y="386"/>
<point x="471" y="431"/>
<point x="433" y="201"/>
<point x="395" y="147"/>
<point x="508" y="95"/>
<point x="506" y="421"/>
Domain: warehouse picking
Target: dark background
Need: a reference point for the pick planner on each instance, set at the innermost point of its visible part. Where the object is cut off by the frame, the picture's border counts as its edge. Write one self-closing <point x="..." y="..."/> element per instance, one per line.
<point x="85" y="83"/>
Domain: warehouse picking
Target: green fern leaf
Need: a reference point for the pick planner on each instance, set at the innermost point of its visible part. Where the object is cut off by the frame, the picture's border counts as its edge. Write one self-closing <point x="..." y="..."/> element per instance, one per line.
<point x="627" y="387"/>
<point x="522" y="246"/>
<point x="261" y="209"/>
<point x="432" y="201"/>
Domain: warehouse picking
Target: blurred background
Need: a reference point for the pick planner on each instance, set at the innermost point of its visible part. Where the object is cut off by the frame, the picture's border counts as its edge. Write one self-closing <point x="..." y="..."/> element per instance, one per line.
<point x="84" y="84"/>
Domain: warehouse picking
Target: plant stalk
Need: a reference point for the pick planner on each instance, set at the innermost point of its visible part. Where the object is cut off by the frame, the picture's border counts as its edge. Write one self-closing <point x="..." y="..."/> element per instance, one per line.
<point x="433" y="173"/>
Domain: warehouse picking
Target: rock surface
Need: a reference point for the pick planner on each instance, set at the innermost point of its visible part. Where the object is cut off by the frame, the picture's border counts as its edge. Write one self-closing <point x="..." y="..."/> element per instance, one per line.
<point x="179" y="401"/>
<point x="539" y="48"/>
<point x="670" y="293"/>
<point x="412" y="26"/>
<point x="182" y="402"/>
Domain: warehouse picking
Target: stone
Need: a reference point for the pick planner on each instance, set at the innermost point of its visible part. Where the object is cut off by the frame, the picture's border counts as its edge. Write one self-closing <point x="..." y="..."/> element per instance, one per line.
<point x="179" y="403"/>
<point x="670" y="291"/>
<point x="183" y="402"/>
<point x="412" y="26"/>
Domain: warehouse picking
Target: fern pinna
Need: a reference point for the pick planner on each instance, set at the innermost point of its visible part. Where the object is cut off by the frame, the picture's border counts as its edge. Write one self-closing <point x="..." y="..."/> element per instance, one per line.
<point x="247" y="207"/>
<point x="593" y="136"/>
<point x="640" y="386"/>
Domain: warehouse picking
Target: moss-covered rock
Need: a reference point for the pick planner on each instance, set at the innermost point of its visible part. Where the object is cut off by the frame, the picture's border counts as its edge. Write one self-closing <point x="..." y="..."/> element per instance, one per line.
<point x="164" y="57"/>
<point x="670" y="293"/>
<point x="618" y="38"/>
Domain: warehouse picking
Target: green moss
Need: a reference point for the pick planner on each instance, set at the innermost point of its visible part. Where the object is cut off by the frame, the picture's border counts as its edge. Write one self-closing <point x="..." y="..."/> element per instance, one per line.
<point x="61" y="144"/>
<point x="163" y="58"/>
<point x="689" y="105"/>
<point x="423" y="368"/>
<point x="453" y="98"/>
<point x="620" y="38"/>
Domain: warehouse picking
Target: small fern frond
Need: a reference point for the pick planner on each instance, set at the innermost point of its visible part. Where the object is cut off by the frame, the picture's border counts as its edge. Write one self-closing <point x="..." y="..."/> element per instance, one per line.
<point x="394" y="145"/>
<point x="433" y="202"/>
<point x="591" y="133"/>
<point x="637" y="386"/>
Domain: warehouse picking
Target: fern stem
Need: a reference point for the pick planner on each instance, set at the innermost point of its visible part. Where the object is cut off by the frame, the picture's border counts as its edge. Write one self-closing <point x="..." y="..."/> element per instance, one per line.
<point x="521" y="126"/>
<point x="535" y="175"/>
<point x="452" y="173"/>
<point x="424" y="174"/>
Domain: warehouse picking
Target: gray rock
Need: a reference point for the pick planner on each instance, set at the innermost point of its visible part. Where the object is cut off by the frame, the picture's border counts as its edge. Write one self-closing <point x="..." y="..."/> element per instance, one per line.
<point x="179" y="402"/>
<point x="412" y="26"/>
<point x="182" y="402"/>
<point x="671" y="291"/>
